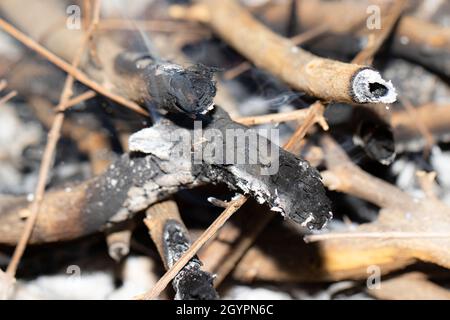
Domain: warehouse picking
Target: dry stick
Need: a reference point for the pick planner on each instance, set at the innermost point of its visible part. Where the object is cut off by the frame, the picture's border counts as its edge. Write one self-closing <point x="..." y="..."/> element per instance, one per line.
<point x="326" y="79"/>
<point x="8" y="97"/>
<point x="297" y="40"/>
<point x="245" y="242"/>
<point x="309" y="34"/>
<point x="94" y="143"/>
<point x="152" y="25"/>
<point x="208" y="234"/>
<point x="87" y="12"/>
<point x="237" y="70"/>
<point x="377" y="38"/>
<point x="47" y="158"/>
<point x="424" y="131"/>
<point x="427" y="183"/>
<point x="74" y="72"/>
<point x="410" y="286"/>
<point x="298" y="115"/>
<point x="3" y="84"/>
<point x="78" y="99"/>
<point x="376" y="235"/>
<point x="315" y="114"/>
<point x="436" y="119"/>
<point x="163" y="220"/>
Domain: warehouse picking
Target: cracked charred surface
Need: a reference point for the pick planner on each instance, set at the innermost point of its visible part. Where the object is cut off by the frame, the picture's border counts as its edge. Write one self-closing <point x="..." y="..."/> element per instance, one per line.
<point x="191" y="283"/>
<point x="139" y="179"/>
<point x="166" y="86"/>
<point x="295" y="190"/>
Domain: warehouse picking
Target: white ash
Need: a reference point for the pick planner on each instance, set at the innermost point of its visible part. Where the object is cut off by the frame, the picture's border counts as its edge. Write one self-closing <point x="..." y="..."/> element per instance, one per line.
<point x="9" y="47"/>
<point x="254" y="106"/>
<point x="335" y="291"/>
<point x="240" y="292"/>
<point x="124" y="9"/>
<point x="254" y="3"/>
<point x="276" y="209"/>
<point x="92" y="286"/>
<point x="441" y="163"/>
<point x="361" y="87"/>
<point x="309" y="219"/>
<point x="6" y="285"/>
<point x="24" y="135"/>
<point x="406" y="173"/>
<point x="211" y="107"/>
<point x="138" y="275"/>
<point x="250" y="185"/>
<point x="415" y="82"/>
<point x="150" y="141"/>
<point x="406" y="170"/>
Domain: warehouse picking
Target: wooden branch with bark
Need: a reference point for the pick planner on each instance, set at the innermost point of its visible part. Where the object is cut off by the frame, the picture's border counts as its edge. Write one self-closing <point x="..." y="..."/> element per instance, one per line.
<point x="138" y="180"/>
<point x="323" y="78"/>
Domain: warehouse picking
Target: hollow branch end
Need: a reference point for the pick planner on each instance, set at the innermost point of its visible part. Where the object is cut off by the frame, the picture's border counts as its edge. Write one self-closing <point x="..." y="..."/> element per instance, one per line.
<point x="367" y="86"/>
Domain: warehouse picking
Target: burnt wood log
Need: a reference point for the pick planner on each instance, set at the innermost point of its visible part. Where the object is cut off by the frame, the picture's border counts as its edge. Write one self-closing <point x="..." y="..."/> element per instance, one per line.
<point x="137" y="180"/>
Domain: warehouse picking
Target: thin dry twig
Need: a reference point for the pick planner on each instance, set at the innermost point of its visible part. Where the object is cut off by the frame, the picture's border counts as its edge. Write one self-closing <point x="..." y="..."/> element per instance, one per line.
<point x="297" y="115"/>
<point x="421" y="127"/>
<point x="297" y="40"/>
<point x="376" y="235"/>
<point x="71" y="70"/>
<point x="8" y="97"/>
<point x="152" y="25"/>
<point x="76" y="100"/>
<point x="427" y="183"/>
<point x="377" y="37"/>
<point x="47" y="158"/>
<point x="237" y="70"/>
<point x="409" y="286"/>
<point x="3" y="84"/>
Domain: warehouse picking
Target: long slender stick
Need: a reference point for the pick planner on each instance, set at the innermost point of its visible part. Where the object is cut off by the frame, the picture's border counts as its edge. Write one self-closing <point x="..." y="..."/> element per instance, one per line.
<point x="70" y="69"/>
<point x="421" y="127"/>
<point x="299" y="115"/>
<point x="53" y="137"/>
<point x="3" y="84"/>
<point x="375" y="235"/>
<point x="297" y="40"/>
<point x="326" y="79"/>
<point x="8" y="97"/>
<point x="377" y="38"/>
<point x="78" y="99"/>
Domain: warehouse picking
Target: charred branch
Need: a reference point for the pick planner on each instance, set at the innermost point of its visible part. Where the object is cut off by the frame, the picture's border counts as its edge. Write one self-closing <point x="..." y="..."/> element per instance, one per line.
<point x="323" y="78"/>
<point x="172" y="240"/>
<point x="139" y="179"/>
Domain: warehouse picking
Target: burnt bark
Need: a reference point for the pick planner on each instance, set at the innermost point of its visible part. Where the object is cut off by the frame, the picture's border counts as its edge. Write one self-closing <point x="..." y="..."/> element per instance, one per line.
<point x="139" y="179"/>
